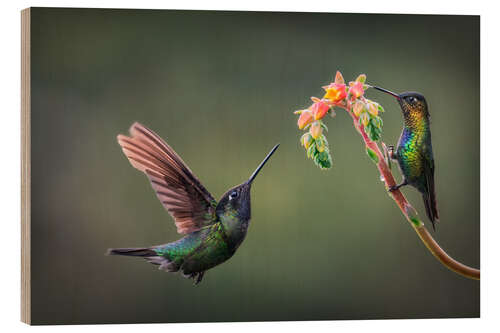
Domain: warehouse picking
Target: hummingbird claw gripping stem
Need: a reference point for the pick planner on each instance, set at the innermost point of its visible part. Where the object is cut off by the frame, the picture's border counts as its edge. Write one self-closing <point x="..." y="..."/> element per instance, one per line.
<point x="388" y="154"/>
<point x="397" y="187"/>
<point x="390" y="149"/>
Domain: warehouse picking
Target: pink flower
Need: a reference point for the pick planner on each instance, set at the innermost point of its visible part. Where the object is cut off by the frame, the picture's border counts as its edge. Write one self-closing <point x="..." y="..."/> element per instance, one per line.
<point x="319" y="109"/>
<point x="305" y="119"/>
<point x="356" y="89"/>
<point x="335" y="92"/>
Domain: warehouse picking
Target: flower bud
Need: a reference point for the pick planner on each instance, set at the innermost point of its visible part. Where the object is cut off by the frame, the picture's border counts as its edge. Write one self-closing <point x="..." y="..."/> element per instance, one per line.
<point x="358" y="108"/>
<point x="361" y="78"/>
<point x="305" y="119"/>
<point x="306" y="140"/>
<point x="373" y="109"/>
<point x="316" y="130"/>
<point x="364" y="118"/>
<point x="339" y="78"/>
<point x="319" y="109"/>
<point x="320" y="145"/>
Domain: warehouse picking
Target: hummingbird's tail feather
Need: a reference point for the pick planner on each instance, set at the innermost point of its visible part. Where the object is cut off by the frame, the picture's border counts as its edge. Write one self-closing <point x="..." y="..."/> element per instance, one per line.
<point x="431" y="208"/>
<point x="134" y="252"/>
<point x="434" y="207"/>
<point x="429" y="195"/>
<point x="149" y="254"/>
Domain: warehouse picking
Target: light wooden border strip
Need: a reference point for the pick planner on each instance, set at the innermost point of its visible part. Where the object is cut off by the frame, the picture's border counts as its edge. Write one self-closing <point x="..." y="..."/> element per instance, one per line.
<point x="25" y="166"/>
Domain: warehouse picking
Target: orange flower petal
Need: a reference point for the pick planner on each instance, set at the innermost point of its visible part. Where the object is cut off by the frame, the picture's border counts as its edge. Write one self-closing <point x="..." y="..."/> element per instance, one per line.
<point x="305" y="119"/>
<point x="319" y="109"/>
<point x="336" y="92"/>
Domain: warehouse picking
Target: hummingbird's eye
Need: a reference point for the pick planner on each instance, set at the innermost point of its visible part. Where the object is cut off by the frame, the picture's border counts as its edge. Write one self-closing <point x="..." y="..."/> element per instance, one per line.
<point x="233" y="195"/>
<point x="412" y="99"/>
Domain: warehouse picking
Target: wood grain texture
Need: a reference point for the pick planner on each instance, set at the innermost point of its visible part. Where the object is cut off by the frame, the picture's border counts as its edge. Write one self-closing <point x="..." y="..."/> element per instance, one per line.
<point x="25" y="167"/>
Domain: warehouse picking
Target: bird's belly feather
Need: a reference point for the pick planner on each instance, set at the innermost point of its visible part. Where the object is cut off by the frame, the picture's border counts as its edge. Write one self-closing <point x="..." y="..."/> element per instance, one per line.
<point x="198" y="251"/>
<point x="409" y="158"/>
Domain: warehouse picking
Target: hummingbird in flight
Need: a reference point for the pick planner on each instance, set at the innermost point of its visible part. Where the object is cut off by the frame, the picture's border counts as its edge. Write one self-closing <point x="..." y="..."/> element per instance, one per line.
<point x="414" y="150"/>
<point x="213" y="230"/>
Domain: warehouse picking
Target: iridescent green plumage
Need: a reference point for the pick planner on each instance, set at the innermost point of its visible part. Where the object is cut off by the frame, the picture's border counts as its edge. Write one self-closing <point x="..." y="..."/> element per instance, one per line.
<point x="196" y="252"/>
<point x="414" y="151"/>
<point x="214" y="229"/>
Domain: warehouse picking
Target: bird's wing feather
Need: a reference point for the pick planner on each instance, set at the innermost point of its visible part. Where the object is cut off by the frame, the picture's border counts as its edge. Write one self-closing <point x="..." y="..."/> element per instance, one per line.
<point x="178" y="189"/>
<point x="431" y="204"/>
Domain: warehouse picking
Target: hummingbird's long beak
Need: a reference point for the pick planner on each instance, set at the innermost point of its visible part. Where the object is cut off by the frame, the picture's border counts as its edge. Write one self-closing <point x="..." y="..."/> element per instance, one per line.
<point x="387" y="92"/>
<point x="254" y="174"/>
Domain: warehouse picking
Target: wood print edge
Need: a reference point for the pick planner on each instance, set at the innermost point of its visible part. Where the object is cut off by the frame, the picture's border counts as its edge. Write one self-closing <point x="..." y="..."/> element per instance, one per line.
<point x="25" y="167"/>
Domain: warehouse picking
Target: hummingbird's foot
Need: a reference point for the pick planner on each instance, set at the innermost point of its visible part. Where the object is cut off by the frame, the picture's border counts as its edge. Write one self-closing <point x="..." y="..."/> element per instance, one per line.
<point x="396" y="187"/>
<point x="388" y="154"/>
<point x="198" y="277"/>
<point x="390" y="149"/>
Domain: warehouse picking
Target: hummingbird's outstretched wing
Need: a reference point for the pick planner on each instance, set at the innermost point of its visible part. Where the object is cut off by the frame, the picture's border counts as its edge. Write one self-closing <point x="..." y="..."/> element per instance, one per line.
<point x="178" y="189"/>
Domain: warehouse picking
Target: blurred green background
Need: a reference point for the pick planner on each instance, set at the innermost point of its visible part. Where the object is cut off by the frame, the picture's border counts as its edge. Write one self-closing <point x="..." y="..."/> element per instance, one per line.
<point x="220" y="88"/>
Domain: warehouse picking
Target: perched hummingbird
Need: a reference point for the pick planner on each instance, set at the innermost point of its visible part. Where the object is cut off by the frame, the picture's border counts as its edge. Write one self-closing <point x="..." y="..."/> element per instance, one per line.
<point x="414" y="150"/>
<point x="214" y="230"/>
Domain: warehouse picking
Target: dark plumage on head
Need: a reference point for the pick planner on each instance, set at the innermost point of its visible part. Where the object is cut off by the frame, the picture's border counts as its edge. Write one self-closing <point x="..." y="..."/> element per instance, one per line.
<point x="413" y="102"/>
<point x="236" y="199"/>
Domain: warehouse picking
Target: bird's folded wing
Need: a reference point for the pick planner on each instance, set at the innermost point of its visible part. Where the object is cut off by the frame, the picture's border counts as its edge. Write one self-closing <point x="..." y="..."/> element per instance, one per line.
<point x="429" y="177"/>
<point x="178" y="189"/>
